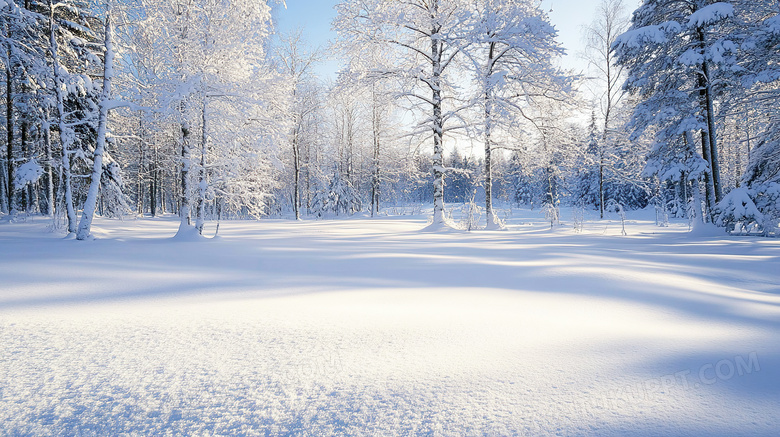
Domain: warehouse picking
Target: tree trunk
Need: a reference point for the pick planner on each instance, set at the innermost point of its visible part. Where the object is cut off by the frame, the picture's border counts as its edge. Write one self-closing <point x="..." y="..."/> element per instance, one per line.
<point x="705" y="152"/>
<point x="153" y="185"/>
<point x="708" y="137"/>
<point x="85" y="225"/>
<point x="65" y="132"/>
<point x="186" y="163"/>
<point x="296" y="172"/>
<point x="712" y="133"/>
<point x="202" y="182"/>
<point x="438" y="132"/>
<point x="601" y="182"/>
<point x="9" y="125"/>
<point x="489" y="217"/>
<point x="3" y="187"/>
<point x="49" y="166"/>
<point x="139" y="186"/>
<point x="26" y="193"/>
<point x="375" y="178"/>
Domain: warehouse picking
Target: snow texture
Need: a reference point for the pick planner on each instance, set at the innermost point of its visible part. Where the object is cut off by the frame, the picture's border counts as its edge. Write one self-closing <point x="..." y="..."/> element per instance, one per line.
<point x="711" y="14"/>
<point x="370" y="327"/>
<point x="647" y="34"/>
<point x="738" y="206"/>
<point x="28" y="173"/>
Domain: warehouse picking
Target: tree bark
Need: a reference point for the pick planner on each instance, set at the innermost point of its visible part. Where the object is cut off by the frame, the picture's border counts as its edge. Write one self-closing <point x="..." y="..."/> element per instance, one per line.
<point x="9" y="126"/>
<point x="296" y="174"/>
<point x="438" y="128"/>
<point x="706" y="151"/>
<point x="489" y="217"/>
<point x="375" y="180"/>
<point x="712" y="133"/>
<point x="49" y="166"/>
<point x="85" y="225"/>
<point x="186" y="163"/>
<point x="200" y="220"/>
<point x="709" y="137"/>
<point x="65" y="133"/>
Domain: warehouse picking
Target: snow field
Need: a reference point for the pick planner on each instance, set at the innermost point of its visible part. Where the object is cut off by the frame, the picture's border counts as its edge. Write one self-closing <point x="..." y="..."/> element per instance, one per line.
<point x="370" y="327"/>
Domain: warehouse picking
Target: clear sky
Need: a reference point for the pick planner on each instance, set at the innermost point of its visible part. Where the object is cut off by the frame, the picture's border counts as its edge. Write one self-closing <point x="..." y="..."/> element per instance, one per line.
<point x="315" y="16"/>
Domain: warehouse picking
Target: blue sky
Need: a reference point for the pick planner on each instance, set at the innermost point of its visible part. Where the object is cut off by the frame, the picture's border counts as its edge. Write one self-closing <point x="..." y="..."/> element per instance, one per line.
<point x="314" y="18"/>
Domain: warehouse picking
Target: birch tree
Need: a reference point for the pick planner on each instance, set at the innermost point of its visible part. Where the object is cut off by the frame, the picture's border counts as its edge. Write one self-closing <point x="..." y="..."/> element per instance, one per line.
<point x="104" y="105"/>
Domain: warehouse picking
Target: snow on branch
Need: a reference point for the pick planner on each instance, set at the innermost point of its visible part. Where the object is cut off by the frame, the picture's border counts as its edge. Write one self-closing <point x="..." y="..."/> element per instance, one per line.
<point x="648" y="34"/>
<point x="711" y="14"/>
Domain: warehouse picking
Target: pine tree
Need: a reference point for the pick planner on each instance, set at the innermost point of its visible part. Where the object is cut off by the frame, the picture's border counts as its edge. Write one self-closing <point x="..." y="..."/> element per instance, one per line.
<point x="677" y="53"/>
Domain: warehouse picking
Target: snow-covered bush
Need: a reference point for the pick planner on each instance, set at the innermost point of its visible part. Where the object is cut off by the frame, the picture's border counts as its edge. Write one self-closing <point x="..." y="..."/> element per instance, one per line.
<point x="470" y="214"/>
<point x="578" y="217"/>
<point x="28" y="173"/>
<point x="552" y="213"/>
<point x="340" y="197"/>
<point x="113" y="200"/>
<point x="767" y="200"/>
<point x="738" y="208"/>
<point x="616" y="207"/>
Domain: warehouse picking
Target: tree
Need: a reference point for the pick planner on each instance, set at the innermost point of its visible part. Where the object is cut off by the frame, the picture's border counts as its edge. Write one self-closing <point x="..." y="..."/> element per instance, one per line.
<point x="423" y="35"/>
<point x="338" y="197"/>
<point x="296" y="64"/>
<point x="21" y="58"/>
<point x="104" y="105"/>
<point x="63" y="29"/>
<point x="610" y="22"/>
<point x="677" y="53"/>
<point x="760" y="76"/>
<point x="512" y="46"/>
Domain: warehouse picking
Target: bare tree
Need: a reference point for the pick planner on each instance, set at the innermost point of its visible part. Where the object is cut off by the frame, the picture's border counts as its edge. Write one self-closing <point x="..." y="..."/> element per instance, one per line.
<point x="297" y="64"/>
<point x="611" y="21"/>
<point x="423" y="34"/>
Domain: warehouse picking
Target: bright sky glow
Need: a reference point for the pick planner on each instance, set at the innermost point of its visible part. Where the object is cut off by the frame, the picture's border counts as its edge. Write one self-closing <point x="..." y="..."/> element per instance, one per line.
<point x="314" y="17"/>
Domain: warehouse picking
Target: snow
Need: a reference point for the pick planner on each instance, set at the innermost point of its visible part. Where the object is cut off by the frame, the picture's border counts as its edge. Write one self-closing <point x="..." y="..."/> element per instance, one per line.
<point x="691" y="57"/>
<point x="634" y="38"/>
<point x="28" y="173"/>
<point x="369" y="326"/>
<point x="738" y="206"/>
<point x="711" y="14"/>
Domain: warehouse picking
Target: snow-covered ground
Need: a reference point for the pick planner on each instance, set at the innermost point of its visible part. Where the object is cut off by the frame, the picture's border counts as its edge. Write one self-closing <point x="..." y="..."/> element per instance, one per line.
<point x="371" y="327"/>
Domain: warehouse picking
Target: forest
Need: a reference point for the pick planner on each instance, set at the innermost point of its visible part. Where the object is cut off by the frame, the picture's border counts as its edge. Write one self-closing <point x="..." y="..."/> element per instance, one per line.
<point x="205" y="232"/>
<point x="200" y="108"/>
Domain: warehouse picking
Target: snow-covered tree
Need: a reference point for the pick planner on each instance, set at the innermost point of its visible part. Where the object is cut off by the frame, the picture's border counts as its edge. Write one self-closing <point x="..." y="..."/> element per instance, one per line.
<point x="610" y="21"/>
<point x="296" y="64"/>
<point x="104" y="105"/>
<point x="337" y="197"/>
<point x="760" y="79"/>
<point x="677" y="54"/>
<point x="423" y="37"/>
<point x="512" y="47"/>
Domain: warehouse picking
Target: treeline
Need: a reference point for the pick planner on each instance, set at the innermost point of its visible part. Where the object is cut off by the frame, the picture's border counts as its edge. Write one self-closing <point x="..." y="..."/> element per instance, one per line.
<point x="202" y="110"/>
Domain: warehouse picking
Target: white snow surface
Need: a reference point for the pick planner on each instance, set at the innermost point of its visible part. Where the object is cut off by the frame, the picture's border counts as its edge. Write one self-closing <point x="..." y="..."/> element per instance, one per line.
<point x="371" y="327"/>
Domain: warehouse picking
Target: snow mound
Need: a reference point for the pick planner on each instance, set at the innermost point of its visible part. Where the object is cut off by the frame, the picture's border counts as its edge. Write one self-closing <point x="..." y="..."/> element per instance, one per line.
<point x="444" y="227"/>
<point x="188" y="234"/>
<point x="706" y="230"/>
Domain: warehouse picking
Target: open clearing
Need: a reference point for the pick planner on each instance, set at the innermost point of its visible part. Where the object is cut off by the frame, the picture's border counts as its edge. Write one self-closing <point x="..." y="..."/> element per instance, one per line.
<point x="371" y="327"/>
